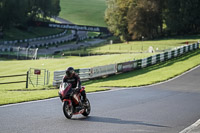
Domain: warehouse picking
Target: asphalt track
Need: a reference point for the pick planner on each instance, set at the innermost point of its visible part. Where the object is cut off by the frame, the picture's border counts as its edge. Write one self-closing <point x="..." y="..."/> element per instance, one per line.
<point x="169" y="107"/>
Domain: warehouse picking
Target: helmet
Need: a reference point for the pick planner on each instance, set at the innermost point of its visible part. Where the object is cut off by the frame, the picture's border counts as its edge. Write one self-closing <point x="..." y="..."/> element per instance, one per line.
<point x="69" y="71"/>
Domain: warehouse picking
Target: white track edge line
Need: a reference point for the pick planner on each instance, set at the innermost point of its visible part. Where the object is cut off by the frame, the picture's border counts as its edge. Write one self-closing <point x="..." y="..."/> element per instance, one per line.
<point x="192" y="127"/>
<point x="8" y="105"/>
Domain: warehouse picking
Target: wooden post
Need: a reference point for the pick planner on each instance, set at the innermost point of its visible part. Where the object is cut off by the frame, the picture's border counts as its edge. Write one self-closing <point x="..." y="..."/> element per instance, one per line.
<point x="27" y="79"/>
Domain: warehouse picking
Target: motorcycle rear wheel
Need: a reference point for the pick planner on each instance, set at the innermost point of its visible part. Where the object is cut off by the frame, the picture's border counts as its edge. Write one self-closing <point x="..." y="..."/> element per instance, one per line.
<point x="87" y="108"/>
<point x="67" y="110"/>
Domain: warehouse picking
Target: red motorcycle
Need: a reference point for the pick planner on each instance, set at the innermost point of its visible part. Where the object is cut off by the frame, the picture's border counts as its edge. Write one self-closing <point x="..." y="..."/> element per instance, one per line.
<point x="72" y="101"/>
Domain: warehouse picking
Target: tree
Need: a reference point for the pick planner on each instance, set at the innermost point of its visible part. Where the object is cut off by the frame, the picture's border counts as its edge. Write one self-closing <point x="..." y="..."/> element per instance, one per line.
<point x="173" y="16"/>
<point x="19" y="12"/>
<point x="144" y="19"/>
<point x="116" y="17"/>
<point x="49" y="9"/>
<point x="134" y="18"/>
<point x="182" y="16"/>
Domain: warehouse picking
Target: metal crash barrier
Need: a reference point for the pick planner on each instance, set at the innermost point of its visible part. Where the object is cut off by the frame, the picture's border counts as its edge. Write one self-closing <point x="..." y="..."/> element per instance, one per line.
<point x="100" y="71"/>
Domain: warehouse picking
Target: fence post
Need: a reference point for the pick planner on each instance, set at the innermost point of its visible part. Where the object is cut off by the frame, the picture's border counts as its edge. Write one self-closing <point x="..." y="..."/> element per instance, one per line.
<point x="27" y="79"/>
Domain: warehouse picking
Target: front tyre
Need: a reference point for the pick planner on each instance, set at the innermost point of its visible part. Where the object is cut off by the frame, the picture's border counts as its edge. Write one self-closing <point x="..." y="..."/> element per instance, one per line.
<point x="87" y="108"/>
<point x="67" y="110"/>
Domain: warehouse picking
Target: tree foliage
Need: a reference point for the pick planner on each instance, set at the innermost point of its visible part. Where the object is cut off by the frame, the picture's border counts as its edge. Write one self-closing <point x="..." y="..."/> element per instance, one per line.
<point x="136" y="18"/>
<point x="116" y="17"/>
<point x="144" y="19"/>
<point x="18" y="12"/>
<point x="182" y="16"/>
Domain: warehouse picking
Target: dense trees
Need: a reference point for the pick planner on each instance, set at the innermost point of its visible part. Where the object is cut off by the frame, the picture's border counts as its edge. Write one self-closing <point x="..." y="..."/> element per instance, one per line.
<point x="144" y="19"/>
<point x="182" y="16"/>
<point x="19" y="12"/>
<point x="116" y="17"/>
<point x="134" y="19"/>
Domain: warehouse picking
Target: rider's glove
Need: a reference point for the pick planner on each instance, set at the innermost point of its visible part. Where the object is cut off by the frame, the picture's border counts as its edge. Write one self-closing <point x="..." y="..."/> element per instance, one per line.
<point x="77" y="89"/>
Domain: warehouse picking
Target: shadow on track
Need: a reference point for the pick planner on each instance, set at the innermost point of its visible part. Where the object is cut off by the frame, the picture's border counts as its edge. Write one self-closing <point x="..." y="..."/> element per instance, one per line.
<point x="115" y="121"/>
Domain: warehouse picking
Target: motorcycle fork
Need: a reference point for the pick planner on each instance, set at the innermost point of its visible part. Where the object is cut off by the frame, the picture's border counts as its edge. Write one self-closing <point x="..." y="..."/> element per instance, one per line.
<point x="69" y="101"/>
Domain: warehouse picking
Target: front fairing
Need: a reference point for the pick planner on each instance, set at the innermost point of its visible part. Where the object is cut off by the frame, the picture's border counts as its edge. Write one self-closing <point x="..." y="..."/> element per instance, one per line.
<point x="65" y="90"/>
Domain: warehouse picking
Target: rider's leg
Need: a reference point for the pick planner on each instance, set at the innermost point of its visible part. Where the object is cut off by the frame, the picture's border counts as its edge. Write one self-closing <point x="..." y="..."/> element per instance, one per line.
<point x="83" y="94"/>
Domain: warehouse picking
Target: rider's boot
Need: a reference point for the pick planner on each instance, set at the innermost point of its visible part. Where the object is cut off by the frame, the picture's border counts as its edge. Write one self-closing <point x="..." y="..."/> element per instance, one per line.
<point x="84" y="100"/>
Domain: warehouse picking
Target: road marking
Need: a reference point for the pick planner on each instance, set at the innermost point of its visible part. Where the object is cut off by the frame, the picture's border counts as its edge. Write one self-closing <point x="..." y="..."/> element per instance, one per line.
<point x="37" y="101"/>
<point x="192" y="127"/>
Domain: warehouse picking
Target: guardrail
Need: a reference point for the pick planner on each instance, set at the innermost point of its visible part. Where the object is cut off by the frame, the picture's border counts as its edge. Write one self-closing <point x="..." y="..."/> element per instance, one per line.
<point x="100" y="71"/>
<point x="33" y="39"/>
<point x="8" y="48"/>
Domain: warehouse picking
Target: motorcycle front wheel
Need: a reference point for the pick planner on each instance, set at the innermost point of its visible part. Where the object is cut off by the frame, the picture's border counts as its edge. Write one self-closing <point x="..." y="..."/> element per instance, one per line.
<point x="87" y="108"/>
<point x="67" y="110"/>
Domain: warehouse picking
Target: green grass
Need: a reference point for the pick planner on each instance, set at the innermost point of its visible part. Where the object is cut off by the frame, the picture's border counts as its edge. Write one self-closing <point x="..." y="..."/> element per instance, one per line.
<point x="22" y="96"/>
<point x="137" y="46"/>
<point x="150" y="75"/>
<point x="83" y="12"/>
<point x="160" y="72"/>
<point x="17" y="93"/>
<point x="20" y="67"/>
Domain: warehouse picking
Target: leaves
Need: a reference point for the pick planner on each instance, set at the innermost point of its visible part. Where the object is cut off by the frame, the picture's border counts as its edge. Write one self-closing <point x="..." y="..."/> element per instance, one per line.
<point x="116" y="17"/>
<point x="137" y="19"/>
<point x="18" y="12"/>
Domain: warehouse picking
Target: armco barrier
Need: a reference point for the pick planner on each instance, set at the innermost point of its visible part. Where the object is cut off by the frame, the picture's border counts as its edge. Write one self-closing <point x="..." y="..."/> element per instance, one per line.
<point x="103" y="71"/>
<point x="89" y="73"/>
<point x="126" y="66"/>
<point x="83" y="73"/>
<point x="33" y="39"/>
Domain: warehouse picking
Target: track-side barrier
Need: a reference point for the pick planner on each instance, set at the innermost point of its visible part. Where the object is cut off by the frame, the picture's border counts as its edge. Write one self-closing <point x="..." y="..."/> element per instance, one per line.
<point x="100" y="71"/>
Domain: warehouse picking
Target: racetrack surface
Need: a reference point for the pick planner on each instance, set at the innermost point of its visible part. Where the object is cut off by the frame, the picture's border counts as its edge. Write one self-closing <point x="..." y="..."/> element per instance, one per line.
<point x="169" y="107"/>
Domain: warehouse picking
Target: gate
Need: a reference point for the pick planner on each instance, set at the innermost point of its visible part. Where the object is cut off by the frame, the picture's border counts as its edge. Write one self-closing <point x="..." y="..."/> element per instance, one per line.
<point x="38" y="76"/>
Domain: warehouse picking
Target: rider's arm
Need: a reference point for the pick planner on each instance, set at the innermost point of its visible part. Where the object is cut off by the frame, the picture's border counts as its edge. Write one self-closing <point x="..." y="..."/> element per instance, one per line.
<point x="78" y="85"/>
<point x="65" y="79"/>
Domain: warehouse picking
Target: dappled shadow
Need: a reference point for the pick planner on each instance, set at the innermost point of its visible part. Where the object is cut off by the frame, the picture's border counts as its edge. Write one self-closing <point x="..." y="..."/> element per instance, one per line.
<point x="116" y="121"/>
<point x="145" y="70"/>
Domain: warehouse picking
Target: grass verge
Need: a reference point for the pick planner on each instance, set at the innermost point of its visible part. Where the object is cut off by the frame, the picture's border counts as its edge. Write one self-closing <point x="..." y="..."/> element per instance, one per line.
<point x="137" y="46"/>
<point x="146" y="76"/>
<point x="150" y="75"/>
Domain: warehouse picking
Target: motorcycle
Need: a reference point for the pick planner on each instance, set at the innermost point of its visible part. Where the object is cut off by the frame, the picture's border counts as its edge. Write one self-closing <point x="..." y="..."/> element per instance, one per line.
<point x="72" y="101"/>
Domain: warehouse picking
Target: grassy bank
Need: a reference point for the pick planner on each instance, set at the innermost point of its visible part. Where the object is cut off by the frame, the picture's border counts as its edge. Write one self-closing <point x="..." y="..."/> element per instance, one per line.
<point x="83" y="12"/>
<point x="20" y="67"/>
<point x="137" y="46"/>
<point x="17" y="93"/>
<point x="153" y="74"/>
<point x="150" y="75"/>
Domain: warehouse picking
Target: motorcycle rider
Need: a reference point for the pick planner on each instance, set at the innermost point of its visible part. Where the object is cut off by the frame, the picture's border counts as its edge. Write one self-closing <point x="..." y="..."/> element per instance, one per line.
<point x="74" y="79"/>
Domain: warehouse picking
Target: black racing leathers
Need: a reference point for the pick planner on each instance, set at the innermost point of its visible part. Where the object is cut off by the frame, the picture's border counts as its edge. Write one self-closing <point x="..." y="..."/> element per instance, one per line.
<point x="74" y="80"/>
<point x="76" y="83"/>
